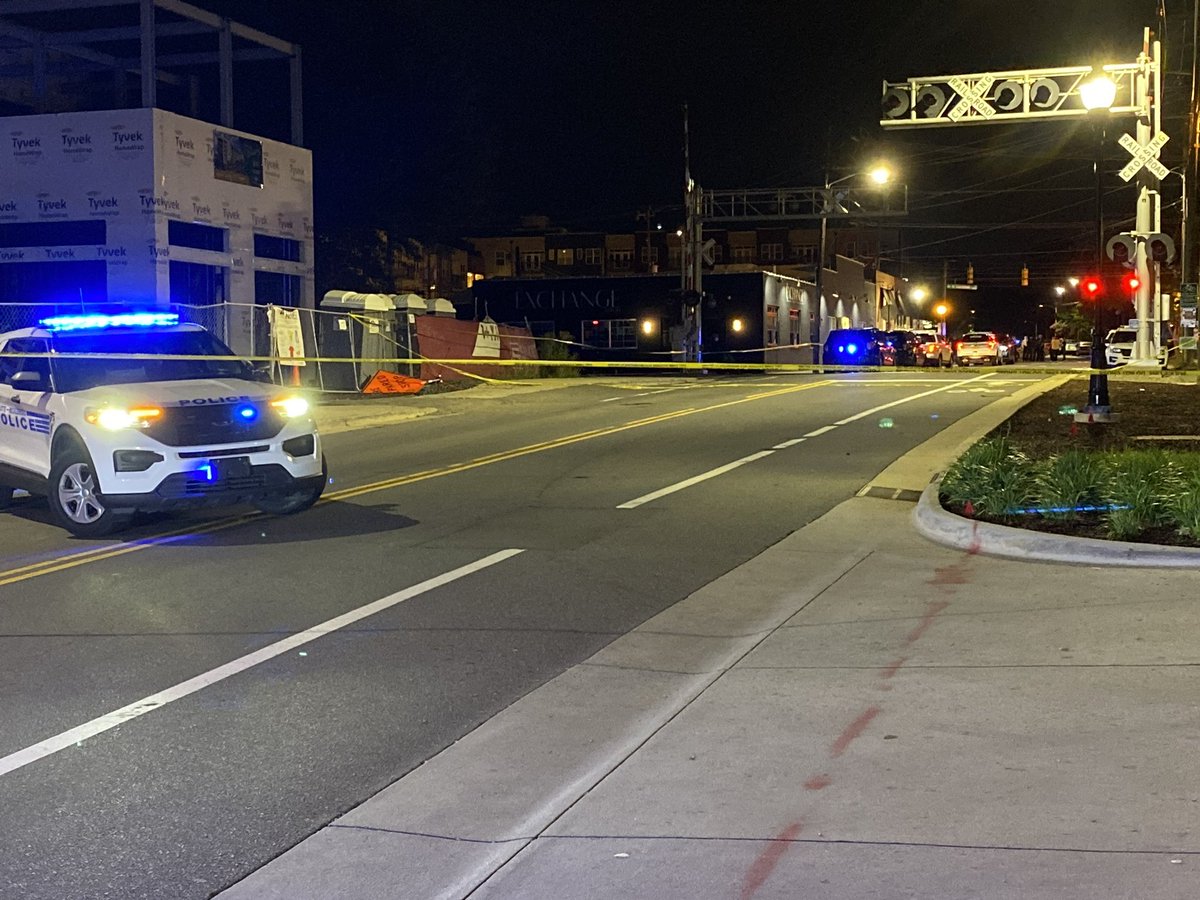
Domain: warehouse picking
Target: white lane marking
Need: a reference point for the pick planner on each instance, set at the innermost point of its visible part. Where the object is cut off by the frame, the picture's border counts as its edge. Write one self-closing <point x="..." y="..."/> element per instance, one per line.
<point x="790" y="443"/>
<point x="679" y="486"/>
<point x="80" y="733"/>
<point x="824" y="429"/>
<point x="875" y="409"/>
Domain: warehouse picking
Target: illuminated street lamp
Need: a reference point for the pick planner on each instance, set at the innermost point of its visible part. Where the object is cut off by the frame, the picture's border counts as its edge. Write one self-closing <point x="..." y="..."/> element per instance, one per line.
<point x="941" y="309"/>
<point x="1097" y="96"/>
<point x="918" y="294"/>
<point x="879" y="174"/>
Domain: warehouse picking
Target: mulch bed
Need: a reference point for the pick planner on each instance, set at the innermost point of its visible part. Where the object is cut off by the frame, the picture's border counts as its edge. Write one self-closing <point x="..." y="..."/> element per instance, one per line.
<point x="1151" y="406"/>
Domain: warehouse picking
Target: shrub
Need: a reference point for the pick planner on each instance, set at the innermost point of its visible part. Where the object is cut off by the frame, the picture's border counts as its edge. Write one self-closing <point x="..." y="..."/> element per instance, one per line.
<point x="993" y="476"/>
<point x="1139" y="486"/>
<point x="1066" y="482"/>
<point x="1185" y="506"/>
<point x="556" y="351"/>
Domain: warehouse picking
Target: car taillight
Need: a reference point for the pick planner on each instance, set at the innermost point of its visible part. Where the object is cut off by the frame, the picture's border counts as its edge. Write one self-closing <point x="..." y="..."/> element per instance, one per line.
<point x="991" y="343"/>
<point x="957" y="344"/>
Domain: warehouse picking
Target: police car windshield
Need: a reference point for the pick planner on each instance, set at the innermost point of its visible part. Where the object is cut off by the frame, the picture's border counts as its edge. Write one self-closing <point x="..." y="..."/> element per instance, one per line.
<point x="81" y="374"/>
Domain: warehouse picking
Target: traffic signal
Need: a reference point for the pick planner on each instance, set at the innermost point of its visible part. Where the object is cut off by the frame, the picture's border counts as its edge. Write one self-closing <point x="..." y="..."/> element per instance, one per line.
<point x="1024" y="276"/>
<point x="970" y="274"/>
<point x="1090" y="287"/>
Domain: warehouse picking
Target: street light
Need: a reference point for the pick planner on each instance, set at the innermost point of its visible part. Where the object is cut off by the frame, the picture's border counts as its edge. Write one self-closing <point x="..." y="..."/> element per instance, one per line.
<point x="1097" y="96"/>
<point x="879" y="174"/>
<point x="941" y="309"/>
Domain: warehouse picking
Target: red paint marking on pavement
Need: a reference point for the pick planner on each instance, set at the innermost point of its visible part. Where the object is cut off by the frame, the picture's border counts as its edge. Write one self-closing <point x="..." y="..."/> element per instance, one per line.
<point x="976" y="541"/>
<point x="817" y="782"/>
<point x="762" y="867"/>
<point x="890" y="671"/>
<point x="955" y="573"/>
<point x="853" y="730"/>
<point x="931" y="612"/>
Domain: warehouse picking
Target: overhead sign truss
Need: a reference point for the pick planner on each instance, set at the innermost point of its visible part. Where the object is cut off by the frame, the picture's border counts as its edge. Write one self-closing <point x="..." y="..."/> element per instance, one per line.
<point x="997" y="97"/>
<point x="776" y="204"/>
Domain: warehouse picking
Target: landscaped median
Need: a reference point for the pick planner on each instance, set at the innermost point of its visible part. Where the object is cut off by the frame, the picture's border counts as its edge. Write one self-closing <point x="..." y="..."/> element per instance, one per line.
<point x="1126" y="485"/>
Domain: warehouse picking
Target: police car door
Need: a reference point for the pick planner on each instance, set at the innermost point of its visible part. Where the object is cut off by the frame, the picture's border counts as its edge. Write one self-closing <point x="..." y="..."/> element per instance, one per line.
<point x="24" y="420"/>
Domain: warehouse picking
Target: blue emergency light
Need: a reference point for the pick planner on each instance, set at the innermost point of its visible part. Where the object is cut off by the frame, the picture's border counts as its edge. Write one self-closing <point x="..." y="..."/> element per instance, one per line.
<point x="99" y="321"/>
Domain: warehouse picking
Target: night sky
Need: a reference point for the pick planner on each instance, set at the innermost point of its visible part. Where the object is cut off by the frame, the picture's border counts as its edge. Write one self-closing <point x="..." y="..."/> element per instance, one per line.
<point x="442" y="118"/>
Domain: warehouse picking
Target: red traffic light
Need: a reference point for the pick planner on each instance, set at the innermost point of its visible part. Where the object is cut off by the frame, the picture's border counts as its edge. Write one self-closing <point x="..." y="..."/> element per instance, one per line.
<point x="1090" y="287"/>
<point x="1132" y="282"/>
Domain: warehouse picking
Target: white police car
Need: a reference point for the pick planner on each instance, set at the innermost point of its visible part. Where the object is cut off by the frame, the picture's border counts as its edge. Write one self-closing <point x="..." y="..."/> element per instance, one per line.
<point x="126" y="427"/>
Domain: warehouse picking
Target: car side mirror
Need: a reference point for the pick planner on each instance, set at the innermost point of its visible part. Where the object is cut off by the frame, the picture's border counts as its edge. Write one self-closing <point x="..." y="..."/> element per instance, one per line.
<point x="261" y="370"/>
<point x="28" y="381"/>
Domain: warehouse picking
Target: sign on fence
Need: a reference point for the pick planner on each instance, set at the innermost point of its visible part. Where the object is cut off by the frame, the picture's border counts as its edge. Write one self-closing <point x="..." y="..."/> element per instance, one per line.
<point x="287" y="337"/>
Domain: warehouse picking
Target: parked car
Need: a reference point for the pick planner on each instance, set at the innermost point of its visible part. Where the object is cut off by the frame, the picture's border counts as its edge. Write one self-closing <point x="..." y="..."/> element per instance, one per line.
<point x="853" y="347"/>
<point x="978" y="347"/>
<point x="933" y="350"/>
<point x="1119" y="344"/>
<point x="1010" y="348"/>
<point x="900" y="348"/>
<point x="108" y="415"/>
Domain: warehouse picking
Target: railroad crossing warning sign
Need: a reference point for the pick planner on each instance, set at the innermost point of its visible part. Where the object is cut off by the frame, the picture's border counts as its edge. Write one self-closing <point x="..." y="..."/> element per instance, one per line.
<point x="973" y="97"/>
<point x="1144" y="155"/>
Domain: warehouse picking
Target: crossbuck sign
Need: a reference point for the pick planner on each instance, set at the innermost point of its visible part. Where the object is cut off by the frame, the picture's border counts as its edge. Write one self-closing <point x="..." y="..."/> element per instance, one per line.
<point x="1144" y="155"/>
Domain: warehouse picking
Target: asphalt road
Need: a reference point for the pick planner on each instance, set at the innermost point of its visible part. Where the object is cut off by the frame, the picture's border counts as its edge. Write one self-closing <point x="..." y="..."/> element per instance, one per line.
<point x="621" y="500"/>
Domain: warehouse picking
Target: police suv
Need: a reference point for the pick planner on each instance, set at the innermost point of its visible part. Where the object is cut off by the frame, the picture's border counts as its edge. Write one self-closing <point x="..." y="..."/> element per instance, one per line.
<point x="109" y="414"/>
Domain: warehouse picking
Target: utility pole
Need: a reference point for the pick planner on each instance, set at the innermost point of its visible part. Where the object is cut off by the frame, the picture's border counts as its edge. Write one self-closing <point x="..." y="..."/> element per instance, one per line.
<point x="689" y="257"/>
<point x="648" y="215"/>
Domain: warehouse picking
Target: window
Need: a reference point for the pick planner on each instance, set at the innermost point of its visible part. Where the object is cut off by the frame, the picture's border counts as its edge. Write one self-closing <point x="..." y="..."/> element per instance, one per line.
<point x="851" y="250"/>
<point x="620" y="259"/>
<point x="769" y="252"/>
<point x="743" y="254"/>
<point x="10" y="366"/>
<point x="500" y="259"/>
<point x="609" y="334"/>
<point x="772" y="323"/>
<point x="650" y="254"/>
<point x="81" y="281"/>
<point x="269" y="247"/>
<point x="532" y="262"/>
<point x="805" y="254"/>
<point x="83" y="233"/>
<point x="566" y="257"/>
<point x="81" y="374"/>
<point x="591" y="256"/>
<point x="198" y="237"/>
<point x="196" y="284"/>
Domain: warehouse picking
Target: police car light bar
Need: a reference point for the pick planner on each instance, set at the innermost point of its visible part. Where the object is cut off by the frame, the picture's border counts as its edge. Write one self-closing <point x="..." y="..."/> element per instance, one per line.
<point x="96" y="321"/>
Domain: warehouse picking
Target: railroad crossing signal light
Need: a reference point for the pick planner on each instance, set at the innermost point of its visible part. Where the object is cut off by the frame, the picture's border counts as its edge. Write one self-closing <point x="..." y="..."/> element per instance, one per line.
<point x="1132" y="282"/>
<point x="1090" y="287"/>
<point x="1122" y="248"/>
<point x="1160" y="248"/>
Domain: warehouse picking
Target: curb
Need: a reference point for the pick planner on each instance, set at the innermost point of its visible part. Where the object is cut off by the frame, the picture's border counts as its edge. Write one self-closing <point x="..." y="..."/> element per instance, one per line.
<point x="941" y="526"/>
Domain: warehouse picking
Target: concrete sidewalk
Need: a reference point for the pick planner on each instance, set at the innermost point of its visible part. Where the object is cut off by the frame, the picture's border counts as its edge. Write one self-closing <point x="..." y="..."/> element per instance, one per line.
<point x="856" y="712"/>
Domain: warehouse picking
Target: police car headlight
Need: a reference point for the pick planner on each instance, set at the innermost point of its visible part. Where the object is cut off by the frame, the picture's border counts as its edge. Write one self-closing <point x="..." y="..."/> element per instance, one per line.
<point x="114" y="418"/>
<point x="291" y="407"/>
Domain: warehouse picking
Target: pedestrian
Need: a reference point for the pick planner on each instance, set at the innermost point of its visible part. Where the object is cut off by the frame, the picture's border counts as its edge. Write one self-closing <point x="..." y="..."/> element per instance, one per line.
<point x="1056" y="348"/>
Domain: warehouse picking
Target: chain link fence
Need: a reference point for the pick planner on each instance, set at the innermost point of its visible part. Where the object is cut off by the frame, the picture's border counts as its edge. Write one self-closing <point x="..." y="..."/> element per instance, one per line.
<point x="336" y="344"/>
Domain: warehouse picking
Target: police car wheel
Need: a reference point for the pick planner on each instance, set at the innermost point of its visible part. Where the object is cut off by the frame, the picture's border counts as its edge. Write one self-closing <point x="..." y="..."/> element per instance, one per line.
<point x="74" y="496"/>
<point x="296" y="501"/>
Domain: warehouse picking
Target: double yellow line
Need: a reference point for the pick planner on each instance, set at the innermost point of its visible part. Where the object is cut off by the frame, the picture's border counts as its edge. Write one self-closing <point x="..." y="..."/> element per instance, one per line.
<point x="98" y="554"/>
